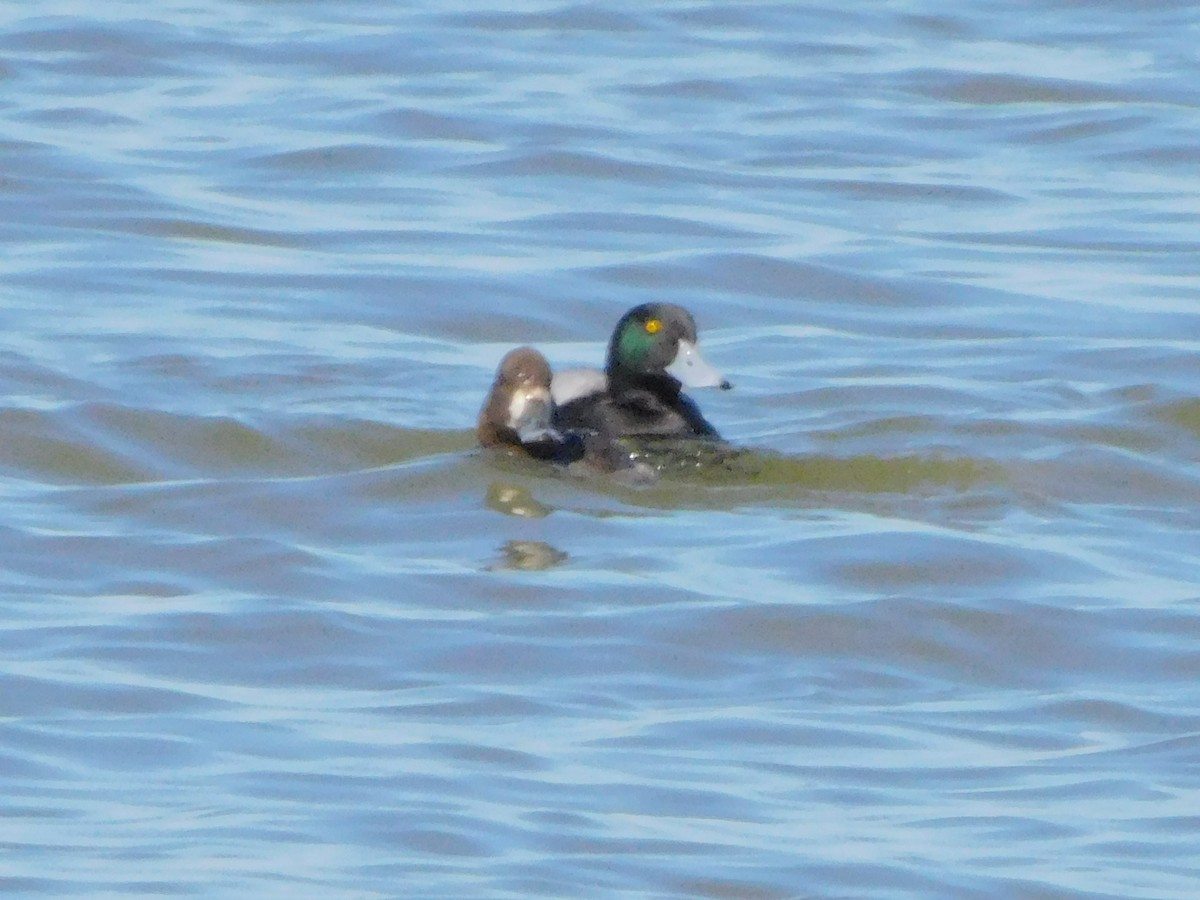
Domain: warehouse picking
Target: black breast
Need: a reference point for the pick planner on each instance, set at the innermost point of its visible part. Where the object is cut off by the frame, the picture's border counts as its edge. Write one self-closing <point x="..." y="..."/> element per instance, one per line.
<point x="635" y="412"/>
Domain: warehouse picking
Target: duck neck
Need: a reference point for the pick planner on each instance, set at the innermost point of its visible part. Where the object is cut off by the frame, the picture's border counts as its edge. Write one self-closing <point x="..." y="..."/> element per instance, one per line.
<point x="658" y="383"/>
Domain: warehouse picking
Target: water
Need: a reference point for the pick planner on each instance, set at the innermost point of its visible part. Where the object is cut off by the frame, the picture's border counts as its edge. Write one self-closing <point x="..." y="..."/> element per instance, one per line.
<point x="273" y="627"/>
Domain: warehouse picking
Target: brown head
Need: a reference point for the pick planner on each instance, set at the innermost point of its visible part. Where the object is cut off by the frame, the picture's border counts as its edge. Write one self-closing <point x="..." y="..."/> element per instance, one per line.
<point x="518" y="409"/>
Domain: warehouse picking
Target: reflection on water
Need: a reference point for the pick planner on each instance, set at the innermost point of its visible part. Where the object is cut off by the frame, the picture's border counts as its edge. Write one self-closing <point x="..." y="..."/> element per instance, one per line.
<point x="530" y="556"/>
<point x="514" y="500"/>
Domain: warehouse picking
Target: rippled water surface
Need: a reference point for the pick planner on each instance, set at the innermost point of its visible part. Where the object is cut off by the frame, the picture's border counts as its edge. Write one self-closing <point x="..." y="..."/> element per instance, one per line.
<point x="274" y="627"/>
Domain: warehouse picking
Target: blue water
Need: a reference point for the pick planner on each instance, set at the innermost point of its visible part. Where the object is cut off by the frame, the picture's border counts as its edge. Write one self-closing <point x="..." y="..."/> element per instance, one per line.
<point x="275" y="627"/>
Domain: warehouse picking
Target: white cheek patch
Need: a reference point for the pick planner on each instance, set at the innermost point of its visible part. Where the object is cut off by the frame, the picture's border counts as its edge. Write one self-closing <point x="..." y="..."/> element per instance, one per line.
<point x="530" y="408"/>
<point x="516" y="406"/>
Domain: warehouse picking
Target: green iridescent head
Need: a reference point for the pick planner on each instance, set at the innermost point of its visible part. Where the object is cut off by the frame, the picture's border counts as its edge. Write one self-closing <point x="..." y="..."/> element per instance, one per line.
<point x="656" y="340"/>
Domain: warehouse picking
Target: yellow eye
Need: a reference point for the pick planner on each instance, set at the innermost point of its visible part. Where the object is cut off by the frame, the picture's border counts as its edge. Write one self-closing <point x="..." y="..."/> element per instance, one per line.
<point x="654" y="326"/>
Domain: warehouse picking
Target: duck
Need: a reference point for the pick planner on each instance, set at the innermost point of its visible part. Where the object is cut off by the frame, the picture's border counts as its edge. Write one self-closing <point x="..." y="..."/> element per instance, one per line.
<point x="652" y="355"/>
<point x="519" y="408"/>
<point x="518" y="416"/>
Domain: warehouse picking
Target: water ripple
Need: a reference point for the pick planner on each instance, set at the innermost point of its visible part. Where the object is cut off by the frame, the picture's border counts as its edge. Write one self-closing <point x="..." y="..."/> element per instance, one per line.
<point x="275" y="627"/>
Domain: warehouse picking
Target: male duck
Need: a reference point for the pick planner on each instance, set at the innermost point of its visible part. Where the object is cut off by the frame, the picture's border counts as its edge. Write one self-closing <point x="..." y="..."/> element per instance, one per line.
<point x="651" y="356"/>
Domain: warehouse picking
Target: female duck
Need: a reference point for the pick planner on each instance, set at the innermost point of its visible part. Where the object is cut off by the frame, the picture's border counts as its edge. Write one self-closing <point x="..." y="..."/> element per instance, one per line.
<point x="518" y="415"/>
<point x="651" y="356"/>
<point x="518" y="410"/>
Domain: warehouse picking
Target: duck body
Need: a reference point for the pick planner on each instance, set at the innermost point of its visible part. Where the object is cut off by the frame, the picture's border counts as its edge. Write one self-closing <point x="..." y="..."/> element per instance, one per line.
<point x="651" y="356"/>
<point x="650" y="408"/>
